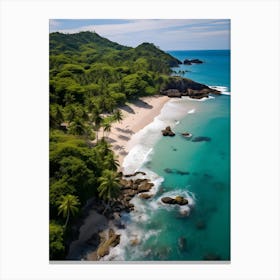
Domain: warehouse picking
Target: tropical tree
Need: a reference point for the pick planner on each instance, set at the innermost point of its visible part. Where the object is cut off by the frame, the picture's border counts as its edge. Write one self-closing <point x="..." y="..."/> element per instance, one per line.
<point x="118" y="115"/>
<point x="107" y="127"/>
<point x="109" y="188"/>
<point x="111" y="162"/>
<point x="97" y="120"/>
<point x="68" y="204"/>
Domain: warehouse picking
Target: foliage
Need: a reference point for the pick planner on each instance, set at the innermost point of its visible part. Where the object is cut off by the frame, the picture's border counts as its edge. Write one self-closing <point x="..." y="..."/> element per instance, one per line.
<point x="56" y="234"/>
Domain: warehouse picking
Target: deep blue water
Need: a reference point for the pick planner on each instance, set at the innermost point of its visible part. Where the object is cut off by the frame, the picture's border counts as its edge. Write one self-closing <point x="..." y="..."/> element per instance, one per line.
<point x="214" y="71"/>
<point x="199" y="171"/>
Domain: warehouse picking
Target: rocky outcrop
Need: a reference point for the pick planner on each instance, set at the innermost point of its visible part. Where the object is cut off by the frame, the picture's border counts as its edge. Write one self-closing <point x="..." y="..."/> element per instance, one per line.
<point x="134" y="174"/>
<point x="191" y="61"/>
<point x="110" y="239"/>
<point x="177" y="87"/>
<point x="168" y="132"/>
<point x="179" y="200"/>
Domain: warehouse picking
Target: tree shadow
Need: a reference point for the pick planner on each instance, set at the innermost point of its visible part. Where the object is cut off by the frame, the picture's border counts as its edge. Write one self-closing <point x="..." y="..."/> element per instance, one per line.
<point x="142" y="104"/>
<point x="128" y="131"/>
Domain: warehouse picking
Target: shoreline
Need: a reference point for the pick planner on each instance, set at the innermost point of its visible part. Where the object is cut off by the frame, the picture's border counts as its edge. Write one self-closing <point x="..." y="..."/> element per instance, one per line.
<point x="136" y="115"/>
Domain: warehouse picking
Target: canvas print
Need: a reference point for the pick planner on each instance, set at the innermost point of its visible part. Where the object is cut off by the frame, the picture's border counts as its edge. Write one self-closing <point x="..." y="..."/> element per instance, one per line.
<point x="139" y="140"/>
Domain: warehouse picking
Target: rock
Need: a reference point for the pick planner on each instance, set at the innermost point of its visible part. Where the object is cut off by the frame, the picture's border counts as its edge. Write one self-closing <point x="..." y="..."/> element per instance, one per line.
<point x="190" y="62"/>
<point x="180" y="172"/>
<point x="187" y="62"/>
<point x="145" y="195"/>
<point x="168" y="200"/>
<point x="201" y="139"/>
<point x="200" y="225"/>
<point x="168" y="132"/>
<point x="112" y="241"/>
<point x="145" y="186"/>
<point x="182" y="243"/>
<point x="211" y="257"/>
<point x="135" y="241"/>
<point x="181" y="200"/>
<point x="134" y="174"/>
<point x="186" y="135"/>
<point x="196" y="61"/>
<point x="168" y="170"/>
<point x="173" y="93"/>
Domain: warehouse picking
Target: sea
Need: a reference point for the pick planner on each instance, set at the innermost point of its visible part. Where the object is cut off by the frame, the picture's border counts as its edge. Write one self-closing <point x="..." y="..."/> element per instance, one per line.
<point x="197" y="168"/>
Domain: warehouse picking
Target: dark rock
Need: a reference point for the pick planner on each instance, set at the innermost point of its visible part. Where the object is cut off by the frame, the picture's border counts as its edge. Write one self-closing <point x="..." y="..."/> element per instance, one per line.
<point x="174" y="93"/>
<point x="182" y="243"/>
<point x="211" y="257"/>
<point x="181" y="200"/>
<point x="187" y="135"/>
<point x="191" y="61"/>
<point x="168" y="132"/>
<point x="168" y="200"/>
<point x="187" y="62"/>
<point x="200" y="225"/>
<point x="168" y="170"/>
<point x="145" y="186"/>
<point x="178" y="86"/>
<point x="134" y="174"/>
<point x="201" y="139"/>
<point x="145" y="195"/>
<point x="196" y="61"/>
<point x="180" y="172"/>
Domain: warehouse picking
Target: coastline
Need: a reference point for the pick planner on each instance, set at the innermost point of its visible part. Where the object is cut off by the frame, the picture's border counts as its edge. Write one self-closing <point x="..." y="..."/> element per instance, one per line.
<point x="136" y="115"/>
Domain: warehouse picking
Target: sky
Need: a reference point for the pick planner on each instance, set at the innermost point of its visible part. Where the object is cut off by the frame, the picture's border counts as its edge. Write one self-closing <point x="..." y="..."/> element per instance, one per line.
<point x="168" y="34"/>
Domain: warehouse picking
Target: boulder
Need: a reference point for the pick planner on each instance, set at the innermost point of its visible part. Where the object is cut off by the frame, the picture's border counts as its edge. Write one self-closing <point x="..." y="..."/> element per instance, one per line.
<point x="197" y="61"/>
<point x="168" y="200"/>
<point x="145" y="187"/>
<point x="181" y="200"/>
<point x="145" y="195"/>
<point x="168" y="132"/>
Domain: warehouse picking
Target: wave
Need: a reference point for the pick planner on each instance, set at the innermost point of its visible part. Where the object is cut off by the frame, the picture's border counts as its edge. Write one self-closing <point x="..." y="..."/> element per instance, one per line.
<point x="192" y="111"/>
<point x="222" y="89"/>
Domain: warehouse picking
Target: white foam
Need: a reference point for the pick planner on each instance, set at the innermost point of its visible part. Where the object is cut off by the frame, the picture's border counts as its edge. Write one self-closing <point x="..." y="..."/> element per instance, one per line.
<point x="203" y="99"/>
<point x="192" y="111"/>
<point x="222" y="89"/>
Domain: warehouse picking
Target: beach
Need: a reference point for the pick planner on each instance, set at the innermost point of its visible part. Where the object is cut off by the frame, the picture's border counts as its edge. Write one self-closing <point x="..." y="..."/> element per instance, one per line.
<point x="136" y="115"/>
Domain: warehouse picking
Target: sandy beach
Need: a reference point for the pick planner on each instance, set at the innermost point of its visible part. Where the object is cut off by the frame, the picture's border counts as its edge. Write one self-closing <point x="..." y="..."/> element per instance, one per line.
<point x="136" y="116"/>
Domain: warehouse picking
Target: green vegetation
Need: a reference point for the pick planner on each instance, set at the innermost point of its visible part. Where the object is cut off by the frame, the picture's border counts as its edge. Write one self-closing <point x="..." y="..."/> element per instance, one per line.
<point x="90" y="77"/>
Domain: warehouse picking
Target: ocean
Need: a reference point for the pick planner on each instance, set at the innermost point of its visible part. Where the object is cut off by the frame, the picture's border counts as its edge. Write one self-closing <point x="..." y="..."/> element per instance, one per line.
<point x="197" y="170"/>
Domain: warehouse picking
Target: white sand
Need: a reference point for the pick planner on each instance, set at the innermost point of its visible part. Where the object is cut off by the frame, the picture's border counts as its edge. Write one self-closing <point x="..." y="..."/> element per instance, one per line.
<point x="136" y="116"/>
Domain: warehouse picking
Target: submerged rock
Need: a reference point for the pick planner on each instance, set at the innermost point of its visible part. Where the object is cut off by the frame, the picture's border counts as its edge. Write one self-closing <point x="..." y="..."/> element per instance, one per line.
<point x="200" y="225"/>
<point x="201" y="139"/>
<point x="211" y="257"/>
<point x="182" y="243"/>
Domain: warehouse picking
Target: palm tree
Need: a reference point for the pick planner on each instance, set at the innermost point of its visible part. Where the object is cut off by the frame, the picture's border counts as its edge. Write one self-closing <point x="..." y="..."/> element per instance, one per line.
<point x="107" y="127"/>
<point x="109" y="187"/>
<point x="118" y="115"/>
<point x="97" y="119"/>
<point x="69" y="204"/>
<point x="111" y="162"/>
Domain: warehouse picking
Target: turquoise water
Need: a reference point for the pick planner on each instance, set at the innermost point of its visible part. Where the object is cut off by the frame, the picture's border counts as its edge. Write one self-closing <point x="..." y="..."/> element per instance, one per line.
<point x="199" y="171"/>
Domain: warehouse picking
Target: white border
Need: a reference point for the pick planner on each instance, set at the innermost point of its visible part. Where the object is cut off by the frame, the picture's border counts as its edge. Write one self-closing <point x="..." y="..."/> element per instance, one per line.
<point x="24" y="138"/>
